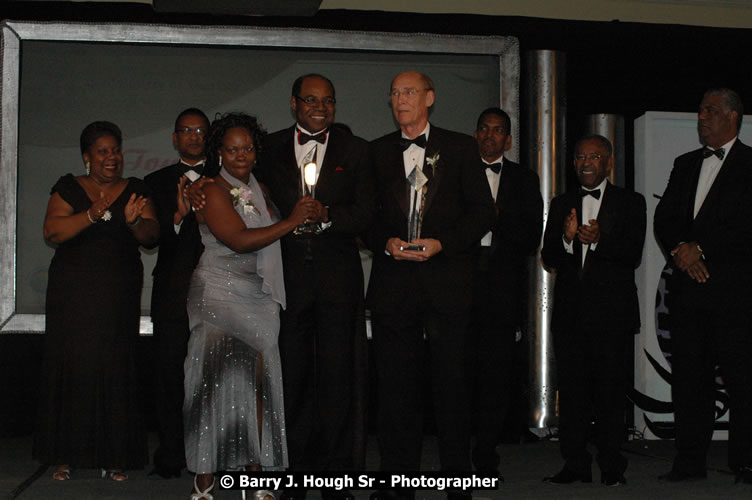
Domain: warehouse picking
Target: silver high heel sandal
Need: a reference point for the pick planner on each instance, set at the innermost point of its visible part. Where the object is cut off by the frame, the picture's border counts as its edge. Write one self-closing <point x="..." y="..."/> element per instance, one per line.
<point x="202" y="495"/>
<point x="114" y="475"/>
<point x="259" y="495"/>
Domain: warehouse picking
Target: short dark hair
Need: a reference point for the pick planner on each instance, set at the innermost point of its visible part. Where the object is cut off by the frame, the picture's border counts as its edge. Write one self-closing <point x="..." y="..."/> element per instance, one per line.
<point x="190" y="112"/>
<point x="732" y="100"/>
<point x="298" y="83"/>
<point x="498" y="112"/>
<point x="595" y="137"/>
<point x="95" y="130"/>
<point x="218" y="129"/>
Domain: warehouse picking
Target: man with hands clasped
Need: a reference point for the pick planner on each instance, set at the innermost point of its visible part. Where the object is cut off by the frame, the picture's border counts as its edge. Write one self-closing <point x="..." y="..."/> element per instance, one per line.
<point x="704" y="225"/>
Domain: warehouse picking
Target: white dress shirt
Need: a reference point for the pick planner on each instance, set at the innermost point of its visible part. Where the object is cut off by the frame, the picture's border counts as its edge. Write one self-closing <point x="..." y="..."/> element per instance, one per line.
<point x="590" y="208"/>
<point x="192" y="176"/>
<point x="303" y="150"/>
<point x="708" y="172"/>
<point x="493" y="183"/>
<point x="412" y="157"/>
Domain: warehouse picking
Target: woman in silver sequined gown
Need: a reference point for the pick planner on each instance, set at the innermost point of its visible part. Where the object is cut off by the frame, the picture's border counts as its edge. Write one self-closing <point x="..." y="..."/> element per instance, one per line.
<point x="233" y="409"/>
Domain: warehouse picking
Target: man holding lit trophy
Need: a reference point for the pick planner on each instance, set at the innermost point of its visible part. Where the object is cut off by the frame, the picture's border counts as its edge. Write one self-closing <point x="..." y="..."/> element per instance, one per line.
<point x="433" y="206"/>
<point x="323" y="276"/>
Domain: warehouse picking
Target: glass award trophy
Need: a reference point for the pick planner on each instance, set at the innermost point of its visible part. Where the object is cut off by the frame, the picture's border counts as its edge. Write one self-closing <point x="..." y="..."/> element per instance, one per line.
<point x="308" y="188"/>
<point x="417" y="180"/>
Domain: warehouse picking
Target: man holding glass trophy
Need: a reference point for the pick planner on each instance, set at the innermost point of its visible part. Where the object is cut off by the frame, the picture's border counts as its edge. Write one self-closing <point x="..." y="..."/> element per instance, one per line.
<point x="433" y="206"/>
<point x="323" y="276"/>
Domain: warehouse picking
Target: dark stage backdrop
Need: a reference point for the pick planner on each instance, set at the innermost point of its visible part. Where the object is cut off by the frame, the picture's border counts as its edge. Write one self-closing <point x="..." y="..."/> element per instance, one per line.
<point x="142" y="87"/>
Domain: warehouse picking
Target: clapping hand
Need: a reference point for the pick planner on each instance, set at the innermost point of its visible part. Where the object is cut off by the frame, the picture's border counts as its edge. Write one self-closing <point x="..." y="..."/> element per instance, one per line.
<point x="589" y="233"/>
<point x="183" y="203"/>
<point x="194" y="192"/>
<point x="134" y="208"/>
<point x="570" y="225"/>
<point x="98" y="209"/>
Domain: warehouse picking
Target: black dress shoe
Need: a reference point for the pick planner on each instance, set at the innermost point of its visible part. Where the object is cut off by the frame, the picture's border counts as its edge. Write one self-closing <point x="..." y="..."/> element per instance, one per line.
<point x="744" y="475"/>
<point x="568" y="476"/>
<point x="611" y="479"/>
<point x="674" y="476"/>
<point x="459" y="495"/>
<point x="392" y="495"/>
<point x="383" y="495"/>
<point x="293" y="494"/>
<point x="165" y="473"/>
<point x="332" y="494"/>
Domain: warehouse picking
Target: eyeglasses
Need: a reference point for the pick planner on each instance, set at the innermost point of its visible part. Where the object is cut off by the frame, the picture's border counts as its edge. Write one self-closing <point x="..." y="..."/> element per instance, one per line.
<point x="315" y="101"/>
<point x="591" y="157"/>
<point x="408" y="92"/>
<point x="234" y="151"/>
<point x="188" y="130"/>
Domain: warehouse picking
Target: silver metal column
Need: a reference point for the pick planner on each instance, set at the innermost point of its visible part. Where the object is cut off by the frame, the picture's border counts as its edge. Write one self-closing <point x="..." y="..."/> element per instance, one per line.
<point x="545" y="151"/>
<point x="612" y="128"/>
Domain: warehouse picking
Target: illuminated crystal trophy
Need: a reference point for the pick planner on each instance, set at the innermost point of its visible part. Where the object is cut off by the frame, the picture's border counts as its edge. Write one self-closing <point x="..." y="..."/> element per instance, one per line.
<point x="417" y="180"/>
<point x="310" y="175"/>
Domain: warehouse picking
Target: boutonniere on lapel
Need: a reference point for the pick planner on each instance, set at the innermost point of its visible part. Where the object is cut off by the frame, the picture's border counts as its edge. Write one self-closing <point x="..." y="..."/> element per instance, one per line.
<point x="433" y="162"/>
<point x="241" y="195"/>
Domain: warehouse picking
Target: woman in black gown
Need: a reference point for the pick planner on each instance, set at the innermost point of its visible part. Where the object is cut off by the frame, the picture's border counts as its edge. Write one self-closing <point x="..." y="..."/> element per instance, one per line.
<point x="89" y="409"/>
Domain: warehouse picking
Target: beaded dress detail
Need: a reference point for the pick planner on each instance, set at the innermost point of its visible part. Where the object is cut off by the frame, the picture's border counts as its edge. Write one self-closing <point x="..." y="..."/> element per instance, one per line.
<point x="233" y="307"/>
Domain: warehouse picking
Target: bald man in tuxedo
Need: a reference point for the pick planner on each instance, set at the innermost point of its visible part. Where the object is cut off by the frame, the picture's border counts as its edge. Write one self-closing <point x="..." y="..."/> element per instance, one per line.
<point x="421" y="284"/>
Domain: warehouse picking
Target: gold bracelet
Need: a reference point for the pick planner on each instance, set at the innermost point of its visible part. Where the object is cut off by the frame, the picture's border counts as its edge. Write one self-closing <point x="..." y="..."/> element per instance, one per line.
<point x="136" y="221"/>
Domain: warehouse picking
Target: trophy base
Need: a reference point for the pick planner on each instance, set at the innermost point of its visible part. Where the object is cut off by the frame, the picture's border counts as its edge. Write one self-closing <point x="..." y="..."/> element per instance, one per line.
<point x="307" y="230"/>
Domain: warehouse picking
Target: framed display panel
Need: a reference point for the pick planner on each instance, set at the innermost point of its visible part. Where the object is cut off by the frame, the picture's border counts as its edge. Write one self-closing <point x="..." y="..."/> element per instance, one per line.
<point x="58" y="77"/>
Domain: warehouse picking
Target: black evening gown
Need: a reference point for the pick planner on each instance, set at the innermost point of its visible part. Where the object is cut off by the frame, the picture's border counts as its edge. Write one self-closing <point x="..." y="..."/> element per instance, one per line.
<point x="89" y="413"/>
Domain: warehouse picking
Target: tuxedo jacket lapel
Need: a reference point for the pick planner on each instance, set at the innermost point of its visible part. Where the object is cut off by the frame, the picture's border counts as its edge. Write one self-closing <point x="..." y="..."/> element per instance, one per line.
<point x="331" y="161"/>
<point x="605" y="216"/>
<point x="501" y="193"/>
<point x="399" y="185"/>
<point x="726" y="174"/>
<point x="689" y="201"/>
<point x="433" y="149"/>
<point x="576" y="203"/>
<point x="605" y="213"/>
<point x="289" y="164"/>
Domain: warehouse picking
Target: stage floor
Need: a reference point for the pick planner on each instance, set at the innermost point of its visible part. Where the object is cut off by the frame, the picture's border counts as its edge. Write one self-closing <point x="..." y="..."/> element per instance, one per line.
<point x="523" y="467"/>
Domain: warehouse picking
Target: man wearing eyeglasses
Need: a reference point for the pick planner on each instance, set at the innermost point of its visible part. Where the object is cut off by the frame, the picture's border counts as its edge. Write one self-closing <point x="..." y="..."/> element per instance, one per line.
<point x="704" y="225"/>
<point x="433" y="206"/>
<point x="179" y="250"/>
<point x="593" y="240"/>
<point x="500" y="283"/>
<point x="319" y="331"/>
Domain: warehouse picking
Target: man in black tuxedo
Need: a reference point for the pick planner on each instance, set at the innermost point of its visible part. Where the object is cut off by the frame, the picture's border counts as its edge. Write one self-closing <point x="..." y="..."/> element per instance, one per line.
<point x="500" y="282"/>
<point x="704" y="224"/>
<point x="179" y="250"/>
<point x="593" y="240"/>
<point x="323" y="278"/>
<point x="423" y="285"/>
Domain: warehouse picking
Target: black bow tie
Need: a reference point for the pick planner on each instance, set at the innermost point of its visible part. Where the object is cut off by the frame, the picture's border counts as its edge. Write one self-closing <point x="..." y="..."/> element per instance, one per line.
<point x="198" y="168"/>
<point x="720" y="153"/>
<point x="595" y="193"/>
<point x="304" y="138"/>
<point x="419" y="141"/>
<point x="496" y="167"/>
